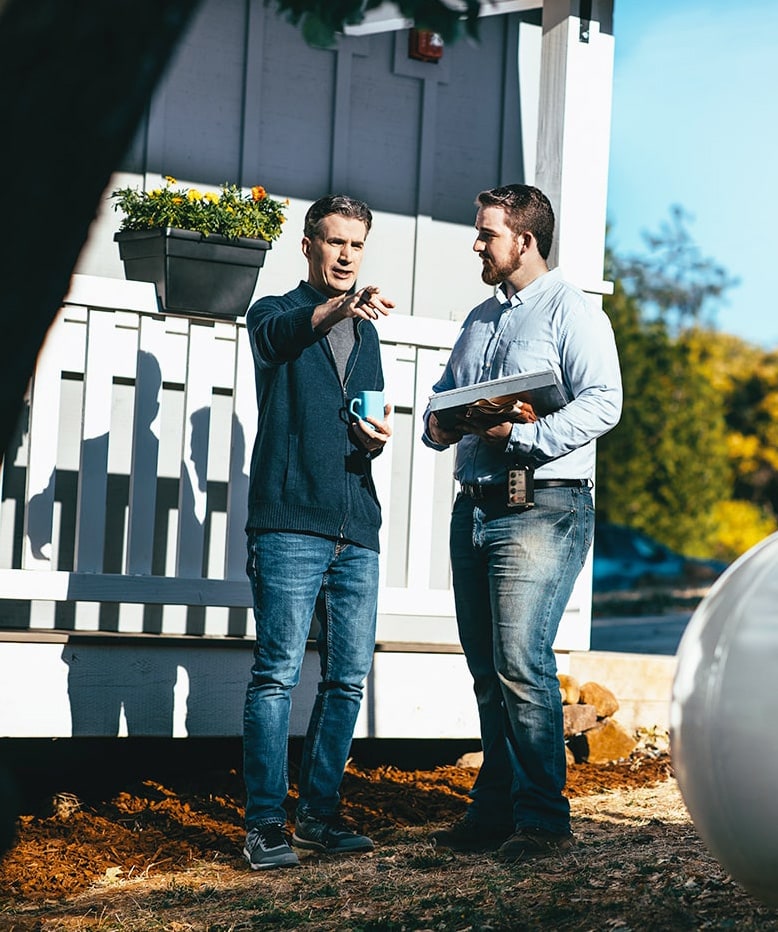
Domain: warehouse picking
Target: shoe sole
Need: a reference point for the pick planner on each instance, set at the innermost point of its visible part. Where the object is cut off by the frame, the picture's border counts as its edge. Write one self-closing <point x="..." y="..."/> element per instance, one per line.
<point x="284" y="860"/>
<point x="534" y="854"/>
<point x="465" y="849"/>
<point x="307" y="845"/>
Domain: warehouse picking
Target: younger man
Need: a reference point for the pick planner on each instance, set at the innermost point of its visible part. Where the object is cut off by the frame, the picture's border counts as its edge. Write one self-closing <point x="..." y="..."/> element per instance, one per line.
<point x="514" y="567"/>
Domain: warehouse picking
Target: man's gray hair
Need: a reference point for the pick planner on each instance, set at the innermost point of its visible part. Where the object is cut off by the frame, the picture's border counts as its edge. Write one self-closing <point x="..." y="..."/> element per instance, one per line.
<point x="336" y="204"/>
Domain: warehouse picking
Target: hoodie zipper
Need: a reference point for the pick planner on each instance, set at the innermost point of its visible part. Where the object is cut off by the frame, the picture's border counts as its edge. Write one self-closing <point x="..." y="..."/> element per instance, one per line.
<point x="343" y="382"/>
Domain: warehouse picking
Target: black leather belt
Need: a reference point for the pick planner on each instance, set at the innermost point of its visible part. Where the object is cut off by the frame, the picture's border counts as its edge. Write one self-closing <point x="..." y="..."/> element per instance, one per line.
<point x="477" y="491"/>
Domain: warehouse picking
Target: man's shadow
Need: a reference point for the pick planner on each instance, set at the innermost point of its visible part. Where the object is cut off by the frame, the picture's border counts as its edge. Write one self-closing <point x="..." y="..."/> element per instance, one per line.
<point x="127" y="688"/>
<point x="140" y="685"/>
<point x="132" y="688"/>
<point x="104" y="554"/>
<point x="211" y="686"/>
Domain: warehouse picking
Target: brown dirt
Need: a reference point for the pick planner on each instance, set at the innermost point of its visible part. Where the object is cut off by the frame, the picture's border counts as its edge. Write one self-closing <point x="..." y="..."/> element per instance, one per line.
<point x="159" y="856"/>
<point x="151" y="827"/>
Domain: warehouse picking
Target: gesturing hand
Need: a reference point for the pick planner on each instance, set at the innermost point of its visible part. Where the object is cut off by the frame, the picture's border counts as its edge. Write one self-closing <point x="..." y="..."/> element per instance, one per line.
<point x="367" y="303"/>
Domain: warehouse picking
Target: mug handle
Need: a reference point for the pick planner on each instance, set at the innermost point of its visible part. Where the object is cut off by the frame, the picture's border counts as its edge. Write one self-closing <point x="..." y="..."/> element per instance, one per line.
<point x="354" y="402"/>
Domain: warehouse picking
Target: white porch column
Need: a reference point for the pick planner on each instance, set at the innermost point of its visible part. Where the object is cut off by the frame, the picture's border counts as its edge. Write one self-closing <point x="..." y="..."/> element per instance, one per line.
<point x="574" y="133"/>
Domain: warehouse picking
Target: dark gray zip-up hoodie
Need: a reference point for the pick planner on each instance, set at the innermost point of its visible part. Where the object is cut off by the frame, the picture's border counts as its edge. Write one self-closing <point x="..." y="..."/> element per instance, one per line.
<point x="308" y="473"/>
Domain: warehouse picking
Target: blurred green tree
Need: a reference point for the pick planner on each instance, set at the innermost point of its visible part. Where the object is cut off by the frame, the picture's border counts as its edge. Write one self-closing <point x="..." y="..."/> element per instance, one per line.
<point x="672" y="280"/>
<point x="665" y="467"/>
<point x="694" y="461"/>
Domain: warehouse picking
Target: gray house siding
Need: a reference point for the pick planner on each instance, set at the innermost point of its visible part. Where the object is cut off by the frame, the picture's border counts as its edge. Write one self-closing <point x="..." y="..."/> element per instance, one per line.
<point x="247" y="100"/>
<point x="91" y="642"/>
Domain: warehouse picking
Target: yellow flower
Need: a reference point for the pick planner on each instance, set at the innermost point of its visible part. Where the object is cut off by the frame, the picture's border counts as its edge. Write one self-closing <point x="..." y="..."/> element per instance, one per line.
<point x="230" y="212"/>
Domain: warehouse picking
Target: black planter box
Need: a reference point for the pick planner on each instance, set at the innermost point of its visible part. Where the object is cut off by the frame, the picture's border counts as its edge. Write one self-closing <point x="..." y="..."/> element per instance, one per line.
<point x="195" y="275"/>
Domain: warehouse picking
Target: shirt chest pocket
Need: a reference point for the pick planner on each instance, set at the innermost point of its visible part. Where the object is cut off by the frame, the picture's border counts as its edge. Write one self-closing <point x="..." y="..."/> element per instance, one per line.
<point x="530" y="355"/>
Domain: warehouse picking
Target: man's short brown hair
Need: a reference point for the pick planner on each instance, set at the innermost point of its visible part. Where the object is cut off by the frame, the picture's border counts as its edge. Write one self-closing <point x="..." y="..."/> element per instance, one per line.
<point x="526" y="208"/>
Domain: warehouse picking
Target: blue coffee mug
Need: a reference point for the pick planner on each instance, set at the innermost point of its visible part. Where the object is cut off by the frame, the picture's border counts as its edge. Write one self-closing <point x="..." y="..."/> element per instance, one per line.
<point x="368" y="404"/>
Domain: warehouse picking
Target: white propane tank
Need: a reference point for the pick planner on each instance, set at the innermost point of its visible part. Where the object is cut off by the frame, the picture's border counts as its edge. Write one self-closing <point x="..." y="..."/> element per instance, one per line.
<point x="723" y="732"/>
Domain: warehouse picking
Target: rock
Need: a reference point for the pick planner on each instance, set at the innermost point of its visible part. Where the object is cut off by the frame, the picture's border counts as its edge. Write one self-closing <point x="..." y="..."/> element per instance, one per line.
<point x="607" y="741"/>
<point x="591" y="735"/>
<point x="578" y="718"/>
<point x="472" y="759"/>
<point x="570" y="688"/>
<point x="601" y="698"/>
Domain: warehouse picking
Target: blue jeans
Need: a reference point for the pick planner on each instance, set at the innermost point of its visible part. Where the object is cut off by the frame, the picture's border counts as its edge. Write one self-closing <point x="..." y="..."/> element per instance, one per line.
<point x="292" y="576"/>
<point x="513" y="575"/>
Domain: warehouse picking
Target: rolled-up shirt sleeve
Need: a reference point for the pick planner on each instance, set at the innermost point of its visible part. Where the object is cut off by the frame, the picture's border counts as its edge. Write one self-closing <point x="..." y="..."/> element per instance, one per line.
<point x="590" y="368"/>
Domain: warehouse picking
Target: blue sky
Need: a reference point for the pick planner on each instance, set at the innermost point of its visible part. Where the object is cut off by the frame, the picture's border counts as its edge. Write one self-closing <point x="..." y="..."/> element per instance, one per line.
<point x="695" y="110"/>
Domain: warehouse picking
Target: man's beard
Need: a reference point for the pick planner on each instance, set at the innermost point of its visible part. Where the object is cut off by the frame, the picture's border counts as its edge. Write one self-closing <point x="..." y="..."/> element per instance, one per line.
<point x="493" y="274"/>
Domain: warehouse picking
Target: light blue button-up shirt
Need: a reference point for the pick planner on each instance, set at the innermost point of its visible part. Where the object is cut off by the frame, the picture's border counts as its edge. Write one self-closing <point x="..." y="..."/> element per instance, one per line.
<point x="548" y="325"/>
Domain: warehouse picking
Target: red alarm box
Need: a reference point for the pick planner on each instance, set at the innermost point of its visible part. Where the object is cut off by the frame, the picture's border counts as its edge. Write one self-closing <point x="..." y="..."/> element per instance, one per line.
<point x="425" y="45"/>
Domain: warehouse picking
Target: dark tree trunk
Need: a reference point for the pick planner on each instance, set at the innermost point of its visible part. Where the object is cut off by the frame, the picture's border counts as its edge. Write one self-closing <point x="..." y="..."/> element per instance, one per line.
<point x="75" y="77"/>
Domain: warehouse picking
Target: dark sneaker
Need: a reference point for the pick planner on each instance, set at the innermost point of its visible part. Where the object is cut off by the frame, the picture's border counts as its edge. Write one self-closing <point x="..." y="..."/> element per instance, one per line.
<point x="530" y="843"/>
<point x="267" y="846"/>
<point x="469" y="834"/>
<point x="328" y="833"/>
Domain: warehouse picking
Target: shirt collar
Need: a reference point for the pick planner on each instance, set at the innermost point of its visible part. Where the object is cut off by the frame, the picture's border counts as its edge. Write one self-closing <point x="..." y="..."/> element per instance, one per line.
<point x="507" y="303"/>
<point x="535" y="287"/>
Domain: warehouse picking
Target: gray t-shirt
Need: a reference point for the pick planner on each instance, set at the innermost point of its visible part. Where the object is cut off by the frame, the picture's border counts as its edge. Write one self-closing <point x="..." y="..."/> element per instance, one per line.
<point x="341" y="340"/>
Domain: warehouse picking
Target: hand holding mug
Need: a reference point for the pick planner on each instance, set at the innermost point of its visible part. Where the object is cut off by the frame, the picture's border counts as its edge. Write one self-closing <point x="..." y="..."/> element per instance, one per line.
<point x="372" y="424"/>
<point x="367" y="405"/>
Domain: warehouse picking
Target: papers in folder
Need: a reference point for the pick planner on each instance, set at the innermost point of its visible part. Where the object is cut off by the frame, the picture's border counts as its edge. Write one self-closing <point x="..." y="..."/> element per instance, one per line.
<point x="495" y="400"/>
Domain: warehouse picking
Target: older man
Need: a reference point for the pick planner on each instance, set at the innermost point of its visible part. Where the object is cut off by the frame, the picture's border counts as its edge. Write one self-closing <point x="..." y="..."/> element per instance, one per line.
<point x="312" y="531"/>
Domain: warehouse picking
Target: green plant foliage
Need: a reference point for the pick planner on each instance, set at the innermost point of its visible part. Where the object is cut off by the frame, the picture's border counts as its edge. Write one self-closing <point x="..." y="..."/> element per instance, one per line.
<point x="230" y="213"/>
<point x="665" y="466"/>
<point x="673" y="281"/>
<point x="694" y="460"/>
<point x="322" y="20"/>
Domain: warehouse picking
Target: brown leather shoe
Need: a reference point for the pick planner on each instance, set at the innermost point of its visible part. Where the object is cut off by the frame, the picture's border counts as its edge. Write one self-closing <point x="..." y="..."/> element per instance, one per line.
<point x="469" y="835"/>
<point x="530" y="843"/>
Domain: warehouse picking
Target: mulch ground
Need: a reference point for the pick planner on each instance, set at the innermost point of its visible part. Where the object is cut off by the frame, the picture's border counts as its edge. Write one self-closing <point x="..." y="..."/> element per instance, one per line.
<point x="71" y="842"/>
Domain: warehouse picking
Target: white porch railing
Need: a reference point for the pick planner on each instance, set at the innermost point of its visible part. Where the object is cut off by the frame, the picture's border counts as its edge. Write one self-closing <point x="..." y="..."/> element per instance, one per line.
<point x="123" y="595"/>
<point x="123" y="498"/>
